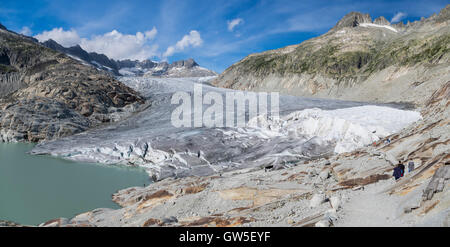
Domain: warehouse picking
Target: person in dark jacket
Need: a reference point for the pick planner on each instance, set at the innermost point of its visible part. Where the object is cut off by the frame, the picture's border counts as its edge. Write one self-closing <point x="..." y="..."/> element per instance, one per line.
<point x="397" y="173"/>
<point x="399" y="170"/>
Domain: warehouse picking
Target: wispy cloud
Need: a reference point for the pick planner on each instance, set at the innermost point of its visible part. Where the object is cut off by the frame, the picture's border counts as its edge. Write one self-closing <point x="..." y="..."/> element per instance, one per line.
<point x="25" y="31"/>
<point x="192" y="39"/>
<point x="233" y="23"/>
<point x="398" y="17"/>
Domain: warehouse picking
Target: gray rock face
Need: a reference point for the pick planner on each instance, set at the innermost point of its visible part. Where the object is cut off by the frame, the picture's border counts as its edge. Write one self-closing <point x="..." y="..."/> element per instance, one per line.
<point x="39" y="119"/>
<point x="437" y="183"/>
<point x="11" y="82"/>
<point x="99" y="61"/>
<point x="189" y="63"/>
<point x="46" y="95"/>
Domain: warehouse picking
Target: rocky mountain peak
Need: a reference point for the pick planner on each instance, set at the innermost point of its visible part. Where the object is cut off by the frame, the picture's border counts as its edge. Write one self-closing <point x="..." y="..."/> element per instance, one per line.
<point x="381" y="21"/>
<point x="189" y="63"/>
<point x="52" y="44"/>
<point x="352" y="19"/>
<point x="2" y="27"/>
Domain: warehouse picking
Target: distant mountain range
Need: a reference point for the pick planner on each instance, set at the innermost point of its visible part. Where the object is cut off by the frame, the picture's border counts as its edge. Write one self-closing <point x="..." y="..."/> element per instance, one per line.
<point x="182" y="68"/>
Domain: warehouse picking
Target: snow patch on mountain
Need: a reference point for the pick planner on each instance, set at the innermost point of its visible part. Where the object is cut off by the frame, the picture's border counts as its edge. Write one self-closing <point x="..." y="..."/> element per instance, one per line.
<point x="376" y="25"/>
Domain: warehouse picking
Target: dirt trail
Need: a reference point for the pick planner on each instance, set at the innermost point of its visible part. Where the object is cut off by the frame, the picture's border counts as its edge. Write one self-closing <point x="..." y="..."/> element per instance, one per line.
<point x="371" y="208"/>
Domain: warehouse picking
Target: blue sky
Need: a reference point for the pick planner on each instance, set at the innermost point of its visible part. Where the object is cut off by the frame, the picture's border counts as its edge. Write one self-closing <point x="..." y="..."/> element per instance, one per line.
<point x="215" y="33"/>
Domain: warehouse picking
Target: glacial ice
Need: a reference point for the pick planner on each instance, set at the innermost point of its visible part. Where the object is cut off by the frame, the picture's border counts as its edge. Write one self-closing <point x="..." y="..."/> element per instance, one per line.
<point x="350" y="128"/>
<point x="307" y="128"/>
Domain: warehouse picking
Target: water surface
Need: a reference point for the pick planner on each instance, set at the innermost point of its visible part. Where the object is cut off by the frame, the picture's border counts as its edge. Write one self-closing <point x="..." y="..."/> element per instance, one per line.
<point x="34" y="189"/>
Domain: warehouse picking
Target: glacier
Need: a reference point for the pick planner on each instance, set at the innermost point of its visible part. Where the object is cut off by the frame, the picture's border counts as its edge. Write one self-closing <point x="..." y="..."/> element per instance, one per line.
<point x="350" y="128"/>
<point x="308" y="128"/>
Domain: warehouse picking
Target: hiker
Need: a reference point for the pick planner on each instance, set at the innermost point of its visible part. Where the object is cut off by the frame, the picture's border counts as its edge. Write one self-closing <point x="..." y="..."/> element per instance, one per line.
<point x="399" y="170"/>
<point x="411" y="166"/>
<point x="402" y="168"/>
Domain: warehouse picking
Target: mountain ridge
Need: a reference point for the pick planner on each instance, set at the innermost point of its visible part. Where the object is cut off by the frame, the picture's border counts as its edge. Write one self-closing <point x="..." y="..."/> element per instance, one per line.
<point x="130" y="67"/>
<point x="45" y="95"/>
<point x="349" y="61"/>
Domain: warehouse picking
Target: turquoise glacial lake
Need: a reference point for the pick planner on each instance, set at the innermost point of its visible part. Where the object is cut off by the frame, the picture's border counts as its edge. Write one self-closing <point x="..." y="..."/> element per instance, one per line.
<point x="35" y="189"/>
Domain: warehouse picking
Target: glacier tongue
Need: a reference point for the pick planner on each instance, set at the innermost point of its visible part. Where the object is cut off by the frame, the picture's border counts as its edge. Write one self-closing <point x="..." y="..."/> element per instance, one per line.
<point x="348" y="128"/>
<point x="308" y="128"/>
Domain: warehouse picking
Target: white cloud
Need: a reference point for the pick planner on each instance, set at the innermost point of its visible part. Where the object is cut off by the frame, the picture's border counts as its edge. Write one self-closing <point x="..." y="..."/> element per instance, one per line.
<point x="122" y="46"/>
<point x="192" y="39"/>
<point x="233" y="23"/>
<point x="398" y="17"/>
<point x="113" y="44"/>
<point x="25" y="31"/>
<point x="64" y="38"/>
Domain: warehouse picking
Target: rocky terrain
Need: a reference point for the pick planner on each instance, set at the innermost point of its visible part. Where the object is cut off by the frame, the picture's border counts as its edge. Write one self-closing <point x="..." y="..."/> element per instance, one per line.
<point x="182" y="68"/>
<point x="358" y="59"/>
<point x="45" y="94"/>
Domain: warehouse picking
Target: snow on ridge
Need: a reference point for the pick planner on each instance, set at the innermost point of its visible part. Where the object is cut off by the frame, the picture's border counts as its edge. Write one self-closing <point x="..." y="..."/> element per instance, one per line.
<point x="349" y="128"/>
<point x="376" y="25"/>
<point x="79" y="60"/>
